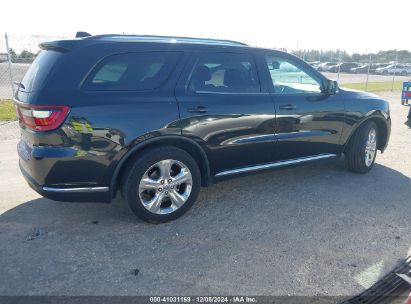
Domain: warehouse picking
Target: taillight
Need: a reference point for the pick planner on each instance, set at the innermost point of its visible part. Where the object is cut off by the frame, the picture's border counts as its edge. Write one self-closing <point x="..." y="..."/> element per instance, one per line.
<point x="42" y="118"/>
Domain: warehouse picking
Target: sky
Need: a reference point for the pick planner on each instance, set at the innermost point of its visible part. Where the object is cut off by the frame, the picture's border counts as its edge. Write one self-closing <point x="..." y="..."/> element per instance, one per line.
<point x="352" y="25"/>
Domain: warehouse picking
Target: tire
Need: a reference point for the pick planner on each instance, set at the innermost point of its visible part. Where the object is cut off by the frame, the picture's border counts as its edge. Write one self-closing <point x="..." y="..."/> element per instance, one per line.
<point x="403" y="73"/>
<point x="161" y="185"/>
<point x="385" y="72"/>
<point x="359" y="157"/>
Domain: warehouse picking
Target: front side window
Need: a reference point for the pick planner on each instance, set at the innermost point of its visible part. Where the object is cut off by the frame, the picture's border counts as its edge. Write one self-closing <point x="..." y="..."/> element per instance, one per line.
<point x="224" y="73"/>
<point x="132" y="71"/>
<point x="287" y="78"/>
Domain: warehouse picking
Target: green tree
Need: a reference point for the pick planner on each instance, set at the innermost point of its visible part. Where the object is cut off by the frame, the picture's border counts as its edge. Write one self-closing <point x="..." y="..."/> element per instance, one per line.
<point x="402" y="56"/>
<point x="26" y="54"/>
<point x="13" y="53"/>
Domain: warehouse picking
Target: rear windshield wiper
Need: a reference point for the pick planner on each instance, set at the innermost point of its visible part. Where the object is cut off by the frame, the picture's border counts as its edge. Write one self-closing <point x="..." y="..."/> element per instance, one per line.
<point x="20" y="85"/>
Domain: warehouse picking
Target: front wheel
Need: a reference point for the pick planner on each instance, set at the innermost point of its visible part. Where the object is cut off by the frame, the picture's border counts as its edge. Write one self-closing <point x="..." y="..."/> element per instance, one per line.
<point x="161" y="184"/>
<point x="362" y="149"/>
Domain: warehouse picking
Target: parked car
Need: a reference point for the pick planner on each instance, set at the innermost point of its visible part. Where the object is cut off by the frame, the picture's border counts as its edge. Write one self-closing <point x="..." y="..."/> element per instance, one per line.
<point x="156" y="118"/>
<point x="314" y="63"/>
<point x="343" y="67"/>
<point x="398" y="69"/>
<point x="3" y="57"/>
<point x="378" y="65"/>
<point x="363" y="69"/>
<point x="323" y="67"/>
<point x="316" y="66"/>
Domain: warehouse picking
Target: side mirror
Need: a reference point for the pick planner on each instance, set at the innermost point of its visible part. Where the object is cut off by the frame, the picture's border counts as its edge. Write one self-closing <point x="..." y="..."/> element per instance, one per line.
<point x="275" y="65"/>
<point x="331" y="87"/>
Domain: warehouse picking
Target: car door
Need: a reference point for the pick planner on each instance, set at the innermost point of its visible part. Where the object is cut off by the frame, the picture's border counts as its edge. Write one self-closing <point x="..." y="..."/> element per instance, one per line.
<point x="308" y="122"/>
<point x="224" y="108"/>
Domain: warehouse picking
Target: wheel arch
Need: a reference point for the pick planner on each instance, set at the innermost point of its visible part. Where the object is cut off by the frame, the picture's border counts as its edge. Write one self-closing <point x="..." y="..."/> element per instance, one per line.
<point x="383" y="131"/>
<point x="184" y="143"/>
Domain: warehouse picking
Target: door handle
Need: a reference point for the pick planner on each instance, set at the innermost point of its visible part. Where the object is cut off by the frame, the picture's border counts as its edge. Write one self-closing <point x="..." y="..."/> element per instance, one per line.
<point x="199" y="109"/>
<point x="287" y="107"/>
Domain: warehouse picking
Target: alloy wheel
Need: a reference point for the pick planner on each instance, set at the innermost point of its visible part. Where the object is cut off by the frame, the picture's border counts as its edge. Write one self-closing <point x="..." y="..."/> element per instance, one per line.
<point x="370" y="147"/>
<point x="165" y="186"/>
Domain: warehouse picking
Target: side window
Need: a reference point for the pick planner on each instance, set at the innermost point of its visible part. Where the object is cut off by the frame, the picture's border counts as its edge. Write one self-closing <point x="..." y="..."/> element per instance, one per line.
<point x="224" y="72"/>
<point x="132" y="71"/>
<point x="287" y="78"/>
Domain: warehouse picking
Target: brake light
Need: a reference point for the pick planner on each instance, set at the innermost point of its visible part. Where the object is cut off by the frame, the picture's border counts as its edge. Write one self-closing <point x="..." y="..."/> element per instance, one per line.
<point x="42" y="118"/>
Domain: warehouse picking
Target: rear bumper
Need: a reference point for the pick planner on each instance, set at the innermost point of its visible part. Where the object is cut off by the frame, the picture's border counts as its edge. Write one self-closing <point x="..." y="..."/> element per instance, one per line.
<point x="59" y="173"/>
<point x="67" y="194"/>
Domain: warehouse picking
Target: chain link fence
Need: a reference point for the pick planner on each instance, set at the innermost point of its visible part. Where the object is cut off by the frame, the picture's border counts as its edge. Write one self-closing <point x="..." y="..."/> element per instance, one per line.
<point x="383" y="71"/>
<point x="17" y="52"/>
<point x="357" y="71"/>
<point x="6" y="90"/>
<point x="375" y="72"/>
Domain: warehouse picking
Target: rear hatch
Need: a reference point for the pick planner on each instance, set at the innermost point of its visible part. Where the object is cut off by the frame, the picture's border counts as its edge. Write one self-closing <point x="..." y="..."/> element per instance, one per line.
<point x="33" y="114"/>
<point x="39" y="120"/>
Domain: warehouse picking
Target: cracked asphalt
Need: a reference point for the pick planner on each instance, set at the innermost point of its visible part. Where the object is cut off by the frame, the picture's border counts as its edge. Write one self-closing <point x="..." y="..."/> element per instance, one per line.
<point x="311" y="230"/>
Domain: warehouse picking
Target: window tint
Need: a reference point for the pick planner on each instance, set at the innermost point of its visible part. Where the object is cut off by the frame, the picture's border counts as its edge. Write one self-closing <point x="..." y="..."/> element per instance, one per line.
<point x="110" y="72"/>
<point x="132" y="71"/>
<point x="39" y="70"/>
<point x="287" y="78"/>
<point x="225" y="72"/>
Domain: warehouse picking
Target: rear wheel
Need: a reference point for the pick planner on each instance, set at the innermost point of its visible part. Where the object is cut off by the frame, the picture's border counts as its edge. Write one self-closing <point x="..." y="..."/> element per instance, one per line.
<point x="162" y="184"/>
<point x="362" y="148"/>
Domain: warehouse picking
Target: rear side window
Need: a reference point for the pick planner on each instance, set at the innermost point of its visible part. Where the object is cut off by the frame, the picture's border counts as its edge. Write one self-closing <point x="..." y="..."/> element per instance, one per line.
<point x="132" y="71"/>
<point x="39" y="70"/>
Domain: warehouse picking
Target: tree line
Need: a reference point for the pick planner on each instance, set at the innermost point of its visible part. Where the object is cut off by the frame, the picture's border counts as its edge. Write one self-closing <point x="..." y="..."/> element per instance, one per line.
<point x="22" y="54"/>
<point x="401" y="56"/>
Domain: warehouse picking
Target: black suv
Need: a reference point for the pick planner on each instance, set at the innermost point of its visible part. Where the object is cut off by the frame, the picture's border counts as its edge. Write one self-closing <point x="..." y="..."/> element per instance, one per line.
<point x="158" y="117"/>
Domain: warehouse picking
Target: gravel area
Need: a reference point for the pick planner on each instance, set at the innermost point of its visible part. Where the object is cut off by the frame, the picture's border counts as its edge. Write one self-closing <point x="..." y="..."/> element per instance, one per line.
<point x="311" y="230"/>
<point x="9" y="130"/>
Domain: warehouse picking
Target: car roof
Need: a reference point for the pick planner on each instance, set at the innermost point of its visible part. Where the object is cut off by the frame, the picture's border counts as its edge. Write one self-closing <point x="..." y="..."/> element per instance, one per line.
<point x="86" y="39"/>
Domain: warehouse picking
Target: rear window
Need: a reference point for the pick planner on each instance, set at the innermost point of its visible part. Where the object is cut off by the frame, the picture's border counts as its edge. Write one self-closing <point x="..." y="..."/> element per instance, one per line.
<point x="39" y="70"/>
<point x="132" y="71"/>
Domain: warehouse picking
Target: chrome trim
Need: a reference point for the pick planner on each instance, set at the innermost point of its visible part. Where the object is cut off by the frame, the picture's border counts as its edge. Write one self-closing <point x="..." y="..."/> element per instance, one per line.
<point x="231" y="93"/>
<point x="76" y="190"/>
<point x="276" y="164"/>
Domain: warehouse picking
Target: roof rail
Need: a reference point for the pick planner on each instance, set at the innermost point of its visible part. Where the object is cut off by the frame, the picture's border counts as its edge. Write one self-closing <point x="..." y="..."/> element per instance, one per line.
<point x="172" y="38"/>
